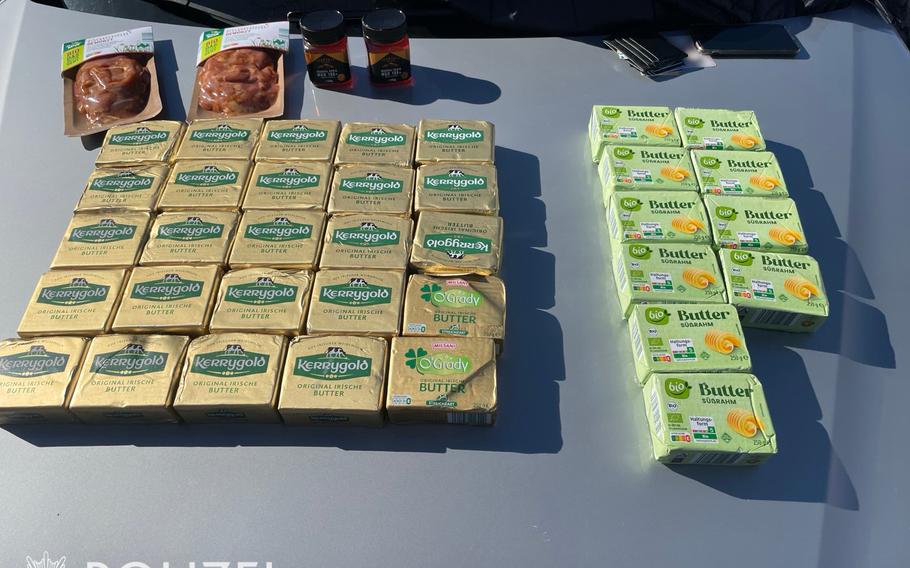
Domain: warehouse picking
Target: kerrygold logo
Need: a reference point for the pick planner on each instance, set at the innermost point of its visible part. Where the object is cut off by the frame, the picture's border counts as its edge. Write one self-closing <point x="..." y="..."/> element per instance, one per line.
<point x="694" y="122"/>
<point x="193" y="229"/>
<point x="742" y="258"/>
<point x="168" y="289"/>
<point x="376" y="138"/>
<point x="105" y="231"/>
<point x="610" y="112"/>
<point x="457" y="245"/>
<point x="710" y="162"/>
<point x="333" y="365"/>
<point x="677" y="388"/>
<point x="657" y="316"/>
<point x="35" y="362"/>
<point x="455" y="180"/>
<point x="263" y="292"/>
<point x="623" y="153"/>
<point x="726" y="213"/>
<point x="298" y="134"/>
<point x="640" y="252"/>
<point x="233" y="361"/>
<point x="437" y="363"/>
<point x="372" y="183"/>
<point x="450" y="297"/>
<point x="368" y="234"/>
<point x="630" y="203"/>
<point x="130" y="361"/>
<point x="281" y="229"/>
<point x="356" y="293"/>
<point x="219" y="134"/>
<point x="121" y="182"/>
<point x="208" y="176"/>
<point x="141" y="136"/>
<point x="453" y="134"/>
<point x="290" y="178"/>
<point x="78" y="292"/>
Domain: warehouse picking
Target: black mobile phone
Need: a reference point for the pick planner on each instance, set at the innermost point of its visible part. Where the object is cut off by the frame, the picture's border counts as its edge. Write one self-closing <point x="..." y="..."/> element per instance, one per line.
<point x="752" y="40"/>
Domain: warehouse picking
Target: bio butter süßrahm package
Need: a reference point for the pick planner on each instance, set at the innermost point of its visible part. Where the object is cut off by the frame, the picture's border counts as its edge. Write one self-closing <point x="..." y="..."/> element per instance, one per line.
<point x="359" y="302"/>
<point x="457" y="244"/>
<point x="634" y="168"/>
<point x="367" y="241"/>
<point x="168" y="299"/>
<point x="104" y="239"/>
<point x="152" y="141"/>
<point x="300" y="140"/>
<point x="135" y="188"/>
<point x="376" y="143"/>
<point x="73" y="302"/>
<point x="197" y="237"/>
<point x="280" y="239"/>
<point x="288" y="185"/>
<point x="469" y="141"/>
<point x="472" y="306"/>
<point x="220" y="138"/>
<point x="262" y="300"/>
<point x="749" y="174"/>
<point x="457" y="188"/>
<point x="771" y="225"/>
<point x="665" y="216"/>
<point x="631" y="126"/>
<point x="372" y="188"/>
<point x="719" y="129"/>
<point x="205" y="184"/>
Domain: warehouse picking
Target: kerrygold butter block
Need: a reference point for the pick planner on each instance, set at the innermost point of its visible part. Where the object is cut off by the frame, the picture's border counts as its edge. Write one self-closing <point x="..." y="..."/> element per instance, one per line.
<point x="462" y="307"/>
<point x="454" y="141"/>
<point x="771" y="225"/>
<point x="262" y="300"/>
<point x="129" y="379"/>
<point x="135" y="188"/>
<point x="212" y="138"/>
<point x="665" y="216"/>
<point x="149" y="141"/>
<point x="709" y="419"/>
<point x="631" y="126"/>
<point x="457" y="188"/>
<point x="375" y="143"/>
<point x="37" y="377"/>
<point x="451" y="243"/>
<point x="775" y="291"/>
<point x="357" y="302"/>
<point x="372" y="189"/>
<point x="687" y="338"/>
<point x="285" y="239"/>
<point x="200" y="237"/>
<point x="298" y="140"/>
<point x="719" y="129"/>
<point x="750" y="174"/>
<point x="73" y="302"/>
<point x="626" y="168"/>
<point x="288" y="185"/>
<point x="449" y="380"/>
<point x="205" y="184"/>
<point x="106" y="239"/>
<point x="231" y="377"/>
<point x="367" y="241"/>
<point x="668" y="273"/>
<point x="334" y="380"/>
<point x="171" y="299"/>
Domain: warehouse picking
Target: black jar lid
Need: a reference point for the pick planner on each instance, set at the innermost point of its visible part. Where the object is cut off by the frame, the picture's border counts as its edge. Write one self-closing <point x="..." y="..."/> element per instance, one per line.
<point x="385" y="26"/>
<point x="322" y="26"/>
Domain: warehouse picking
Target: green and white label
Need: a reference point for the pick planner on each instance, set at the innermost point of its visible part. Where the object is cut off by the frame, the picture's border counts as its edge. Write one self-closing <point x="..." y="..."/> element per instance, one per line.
<point x="77" y="293"/>
<point x="105" y="231"/>
<point x="35" y="362"/>
<point x="437" y="363"/>
<point x="290" y="178"/>
<point x="450" y="297"/>
<point x="457" y="245"/>
<point x="141" y="136"/>
<point x="376" y="138"/>
<point x="121" y="182"/>
<point x="207" y="176"/>
<point x="130" y="361"/>
<point x="280" y="230"/>
<point x="220" y="134"/>
<point x="333" y="365"/>
<point x="298" y="134"/>
<point x="193" y="229"/>
<point x="368" y="234"/>
<point x="170" y="288"/>
<point x="453" y="134"/>
<point x="263" y="292"/>
<point x="233" y="361"/>
<point x="356" y="293"/>
<point x="373" y="183"/>
<point x="455" y="180"/>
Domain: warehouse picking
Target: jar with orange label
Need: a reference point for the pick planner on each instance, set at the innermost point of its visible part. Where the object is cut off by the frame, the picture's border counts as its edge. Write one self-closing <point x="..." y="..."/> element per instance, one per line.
<point x="326" y="49"/>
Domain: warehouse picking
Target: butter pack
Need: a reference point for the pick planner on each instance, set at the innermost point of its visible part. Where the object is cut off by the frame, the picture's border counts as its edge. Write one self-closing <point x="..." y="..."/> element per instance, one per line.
<point x="37" y="377"/>
<point x="262" y="300"/>
<point x="457" y="244"/>
<point x="372" y="189"/>
<point x="199" y="237"/>
<point x="145" y="142"/>
<point x="469" y="141"/>
<point x="168" y="299"/>
<point x="771" y="225"/>
<point x="749" y="174"/>
<point x="664" y="216"/>
<point x="73" y="302"/>
<point x="709" y="419"/>
<point x="288" y="185"/>
<point x="448" y="380"/>
<point x="460" y="307"/>
<point x="106" y="239"/>
<point x="457" y="188"/>
<point x="334" y="380"/>
<point x="129" y="379"/>
<point x="311" y="140"/>
<point x="376" y="143"/>
<point x="631" y="126"/>
<point x="719" y="129"/>
<point x="367" y="241"/>
<point x="775" y="291"/>
<point x="231" y="377"/>
<point x="281" y="239"/>
<point x="220" y="138"/>
<point x="205" y="184"/>
<point x="628" y="168"/>
<point x="682" y="338"/>
<point x="357" y="302"/>
<point x="134" y="188"/>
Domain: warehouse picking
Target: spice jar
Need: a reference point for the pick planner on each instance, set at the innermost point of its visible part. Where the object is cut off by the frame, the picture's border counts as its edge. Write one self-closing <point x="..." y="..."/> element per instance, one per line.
<point x="326" y="49"/>
<point x="385" y="33"/>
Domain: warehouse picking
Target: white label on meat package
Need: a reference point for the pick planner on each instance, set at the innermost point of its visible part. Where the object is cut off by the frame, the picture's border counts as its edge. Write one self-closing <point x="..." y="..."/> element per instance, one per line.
<point x="138" y="40"/>
<point x="273" y="35"/>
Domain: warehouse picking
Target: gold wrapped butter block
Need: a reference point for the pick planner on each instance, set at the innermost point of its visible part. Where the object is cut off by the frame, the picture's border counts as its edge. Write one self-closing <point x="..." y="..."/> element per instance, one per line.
<point x="211" y="138"/>
<point x="472" y="306"/>
<point x="104" y="239"/>
<point x="262" y="300"/>
<point x="376" y="143"/>
<point x="205" y="184"/>
<point x="199" y="237"/>
<point x="168" y="299"/>
<point x="457" y="244"/>
<point x="73" y="302"/>
<point x="457" y="188"/>
<point x="312" y="140"/>
<point x="367" y="241"/>
<point x="285" y="239"/>
<point x="288" y="185"/>
<point x="372" y="189"/>
<point x="454" y="141"/>
<point x="135" y="188"/>
<point x="148" y="141"/>
<point x="357" y="302"/>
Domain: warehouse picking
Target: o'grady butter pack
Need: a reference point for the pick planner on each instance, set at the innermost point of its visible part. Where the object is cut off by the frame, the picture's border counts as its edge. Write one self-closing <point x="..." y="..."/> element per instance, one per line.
<point x="200" y="237"/>
<point x="717" y="129"/>
<point x="460" y="307"/>
<point x="375" y="143"/>
<point x="457" y="188"/>
<point x="288" y="185"/>
<point x="73" y="302"/>
<point x="205" y="184"/>
<point x="134" y="188"/>
<point x="372" y="189"/>
<point x="262" y="300"/>
<point x="771" y="225"/>
<point x="687" y="338"/>
<point x="367" y="241"/>
<point x="359" y="302"/>
<point x="454" y="141"/>
<point x="775" y="291"/>
<point x="213" y="138"/>
<point x="457" y="244"/>
<point x="665" y="216"/>
<point x="626" y="168"/>
<point x="149" y="141"/>
<point x="312" y="140"/>
<point x="631" y="126"/>
<point x="109" y="239"/>
<point x="750" y="174"/>
<point x="668" y="273"/>
<point x="281" y="239"/>
<point x="37" y="377"/>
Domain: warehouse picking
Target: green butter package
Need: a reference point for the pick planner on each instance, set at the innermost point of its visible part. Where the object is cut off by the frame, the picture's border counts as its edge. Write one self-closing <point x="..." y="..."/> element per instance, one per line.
<point x="288" y="185"/>
<point x="665" y="216"/>
<point x="771" y="225"/>
<point x="745" y="174"/>
<point x="719" y="129"/>
<point x="627" y="168"/>
<point x="775" y="291"/>
<point x="708" y="419"/>
<point x="631" y="126"/>
<point x="681" y="338"/>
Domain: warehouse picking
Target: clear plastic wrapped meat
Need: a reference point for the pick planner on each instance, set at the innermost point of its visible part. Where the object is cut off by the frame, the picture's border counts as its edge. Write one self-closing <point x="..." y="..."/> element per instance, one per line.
<point x="239" y="81"/>
<point x="112" y="87"/>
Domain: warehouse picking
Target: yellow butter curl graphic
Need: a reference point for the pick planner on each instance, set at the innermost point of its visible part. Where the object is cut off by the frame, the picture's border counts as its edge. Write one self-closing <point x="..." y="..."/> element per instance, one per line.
<point x="674" y="173"/>
<point x="785" y="235"/>
<point x="744" y="422"/>
<point x="801" y="288"/>
<point x="659" y="130"/>
<point x="745" y="141"/>
<point x="721" y="341"/>
<point x="762" y="181"/>
<point x="686" y="224"/>
<point x="699" y="278"/>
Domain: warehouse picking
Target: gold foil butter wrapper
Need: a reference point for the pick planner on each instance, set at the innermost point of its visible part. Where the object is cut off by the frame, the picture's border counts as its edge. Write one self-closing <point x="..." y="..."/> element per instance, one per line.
<point x="367" y="241"/>
<point x="134" y="188"/>
<point x="220" y="138"/>
<point x="334" y="380"/>
<point x="198" y="237"/>
<point x="455" y="141"/>
<point x="472" y="306"/>
<point x="262" y="300"/>
<point x="73" y="302"/>
<point x="231" y="377"/>
<point x="37" y="377"/>
<point x="288" y="185"/>
<point x="457" y="188"/>
<point x="438" y="379"/>
<point x="457" y="244"/>
<point x="168" y="299"/>
<point x="149" y="141"/>
<point x="357" y="302"/>
<point x="205" y="184"/>
<point x="107" y="239"/>
<point x="312" y="140"/>
<point x="372" y="189"/>
<point x="129" y="379"/>
<point x="281" y="239"/>
<point x="376" y="143"/>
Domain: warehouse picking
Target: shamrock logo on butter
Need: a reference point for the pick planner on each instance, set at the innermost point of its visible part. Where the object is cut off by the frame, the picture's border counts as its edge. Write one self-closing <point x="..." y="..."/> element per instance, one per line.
<point x="411" y="356"/>
<point x="429" y="289"/>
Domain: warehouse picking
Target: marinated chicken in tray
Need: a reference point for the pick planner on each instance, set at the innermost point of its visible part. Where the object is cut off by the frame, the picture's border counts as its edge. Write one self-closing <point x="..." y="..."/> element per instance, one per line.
<point x="239" y="81"/>
<point x="111" y="87"/>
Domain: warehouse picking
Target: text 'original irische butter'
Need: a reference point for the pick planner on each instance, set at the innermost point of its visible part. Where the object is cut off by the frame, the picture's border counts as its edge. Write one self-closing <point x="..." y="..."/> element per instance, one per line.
<point x="462" y="307"/>
<point x="665" y="216"/>
<point x="718" y="129"/>
<point x="169" y="299"/>
<point x="437" y="379"/>
<point x="288" y="185"/>
<point x="361" y="302"/>
<point x="129" y="378"/>
<point x="262" y="300"/>
<point x="456" y="244"/>
<point x="334" y="380"/>
<point x="73" y="302"/>
<point x="628" y="168"/>
<point x="630" y="126"/>
<point x="312" y="140"/>
<point x="281" y="239"/>
<point x="751" y="174"/>
<point x="149" y="141"/>
<point x="708" y="419"/>
<point x="134" y="188"/>
<point x="37" y="377"/>
<point x="367" y="241"/>
<point x="207" y="139"/>
<point x="198" y="237"/>
<point x="376" y="143"/>
<point x="205" y="184"/>
<point x="457" y="188"/>
<point x="771" y="225"/>
<point x="231" y="377"/>
<point x="454" y="141"/>
<point x="106" y="239"/>
<point x="372" y="189"/>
